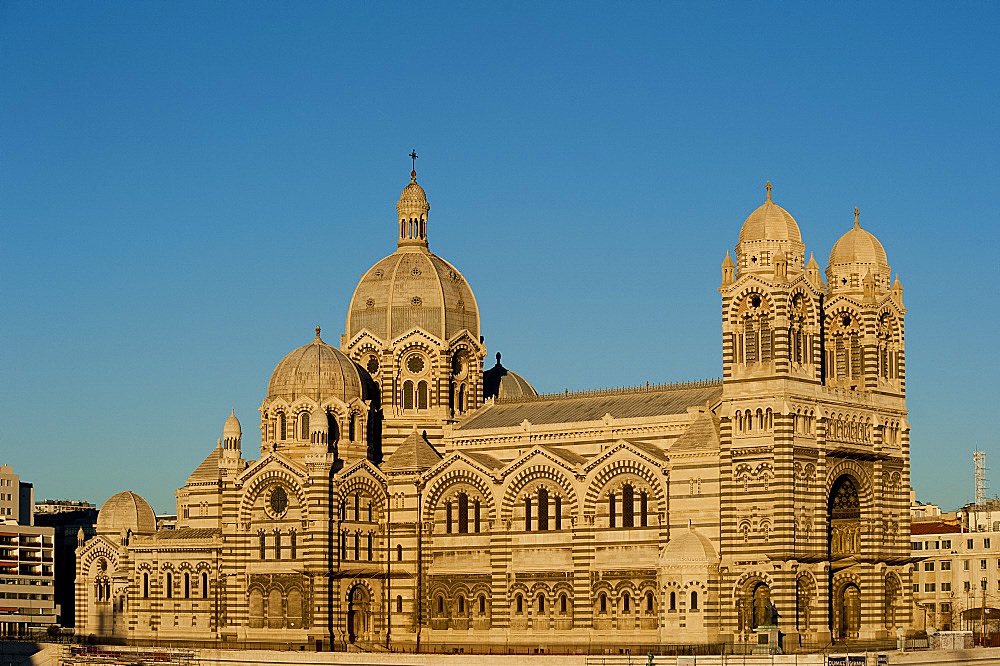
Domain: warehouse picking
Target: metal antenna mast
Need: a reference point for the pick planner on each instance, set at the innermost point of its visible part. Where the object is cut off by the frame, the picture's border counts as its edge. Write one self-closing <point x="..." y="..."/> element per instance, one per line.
<point x="979" y="457"/>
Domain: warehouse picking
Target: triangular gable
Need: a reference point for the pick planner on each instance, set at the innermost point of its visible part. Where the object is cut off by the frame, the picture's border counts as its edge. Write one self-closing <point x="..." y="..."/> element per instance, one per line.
<point x="363" y="465"/>
<point x="468" y="459"/>
<point x="415" y="454"/>
<point x="544" y="452"/>
<point x="467" y="336"/>
<point x="661" y="460"/>
<point x="273" y="459"/>
<point x="419" y="334"/>
<point x="364" y="335"/>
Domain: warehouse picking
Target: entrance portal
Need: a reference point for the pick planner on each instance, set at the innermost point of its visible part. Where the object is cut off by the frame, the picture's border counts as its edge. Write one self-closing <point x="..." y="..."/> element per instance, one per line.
<point x="847" y="612"/>
<point x="358" y="614"/>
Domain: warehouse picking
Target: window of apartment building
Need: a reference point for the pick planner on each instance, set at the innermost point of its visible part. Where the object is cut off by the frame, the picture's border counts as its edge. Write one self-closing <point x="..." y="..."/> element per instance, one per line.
<point x="966" y="586"/>
<point x="965" y="565"/>
<point x="946" y="544"/>
<point x="986" y="543"/>
<point x="931" y="609"/>
<point x="982" y="564"/>
<point x="917" y="545"/>
<point x="946" y="608"/>
<point x="928" y="566"/>
<point x="916" y="587"/>
<point x="969" y="544"/>
<point x="982" y="584"/>
<point x="946" y="587"/>
<point x="928" y="587"/>
<point x="945" y="565"/>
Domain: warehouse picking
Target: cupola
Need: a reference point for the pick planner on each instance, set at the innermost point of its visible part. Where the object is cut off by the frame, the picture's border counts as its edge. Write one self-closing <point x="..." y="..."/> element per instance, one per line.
<point x="854" y="255"/>
<point x="768" y="231"/>
<point x="231" y="433"/>
<point x="412" y="209"/>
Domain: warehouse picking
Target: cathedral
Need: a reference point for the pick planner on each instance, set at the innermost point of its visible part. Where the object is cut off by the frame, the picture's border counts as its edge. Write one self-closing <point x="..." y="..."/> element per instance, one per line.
<point x="405" y="496"/>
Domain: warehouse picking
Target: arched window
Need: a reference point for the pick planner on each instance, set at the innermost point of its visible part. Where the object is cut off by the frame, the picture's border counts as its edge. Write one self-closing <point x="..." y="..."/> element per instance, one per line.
<point x="422" y="395"/>
<point x="407" y="394"/>
<point x="482" y="604"/>
<point x="277" y="545"/>
<point x="343" y="545"/>
<point x="292" y="543"/>
<point x="463" y="513"/>
<point x="187" y="585"/>
<point x="204" y="585"/>
<point x="399" y="604"/>
<point x="562" y="603"/>
<point x="643" y="508"/>
<point x="447" y="517"/>
<point x="694" y="600"/>
<point x="628" y="506"/>
<point x="170" y="585"/>
<point x="282" y="427"/>
<point x="519" y="603"/>
<point x="440" y="601"/>
<point x="263" y="544"/>
<point x="558" y="512"/>
<point x="350" y="426"/>
<point x="371" y="549"/>
<point x="461" y="398"/>
<point x="543" y="509"/>
<point x="611" y="510"/>
<point x="461" y="604"/>
<point x="476" y="504"/>
<point x="626" y="603"/>
<point x="145" y="586"/>
<point x="603" y="602"/>
<point x="649" y="602"/>
<point x="673" y="601"/>
<point x="541" y="602"/>
<point x="527" y="514"/>
<point x="304" y="425"/>
<point x="399" y="553"/>
<point x="343" y="509"/>
<point x="357" y="506"/>
<point x="357" y="545"/>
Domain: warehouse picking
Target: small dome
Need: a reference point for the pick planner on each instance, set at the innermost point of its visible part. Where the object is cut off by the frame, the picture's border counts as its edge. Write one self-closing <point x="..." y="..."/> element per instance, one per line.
<point x="503" y="384"/>
<point x="412" y="198"/>
<point x="858" y="246"/>
<point x="126" y="511"/>
<point x="231" y="429"/>
<point x="689" y="546"/>
<point x="317" y="371"/>
<point x="770" y="222"/>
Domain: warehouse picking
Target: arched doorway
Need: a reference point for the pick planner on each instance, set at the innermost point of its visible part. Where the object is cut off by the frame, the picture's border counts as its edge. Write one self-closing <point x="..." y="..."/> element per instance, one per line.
<point x="844" y="510"/>
<point x="847" y="611"/>
<point x="358" y="614"/>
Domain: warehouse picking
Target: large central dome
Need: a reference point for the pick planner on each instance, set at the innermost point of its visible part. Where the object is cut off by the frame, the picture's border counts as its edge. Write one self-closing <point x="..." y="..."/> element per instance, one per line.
<point x="412" y="287"/>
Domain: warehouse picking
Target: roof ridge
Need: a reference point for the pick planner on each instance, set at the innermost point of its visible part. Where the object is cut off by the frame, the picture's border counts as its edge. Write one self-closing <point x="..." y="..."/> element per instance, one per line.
<point x="623" y="390"/>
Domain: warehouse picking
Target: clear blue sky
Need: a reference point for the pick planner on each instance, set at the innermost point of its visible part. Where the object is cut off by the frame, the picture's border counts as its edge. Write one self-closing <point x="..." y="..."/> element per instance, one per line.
<point x="187" y="188"/>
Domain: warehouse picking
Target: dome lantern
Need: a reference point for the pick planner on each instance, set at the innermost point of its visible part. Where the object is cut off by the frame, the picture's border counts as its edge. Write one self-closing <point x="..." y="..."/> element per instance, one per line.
<point x="412" y="209"/>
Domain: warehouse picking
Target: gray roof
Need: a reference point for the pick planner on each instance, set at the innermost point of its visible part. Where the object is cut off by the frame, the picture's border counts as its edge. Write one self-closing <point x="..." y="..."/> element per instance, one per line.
<point x="208" y="470"/>
<point x="593" y="405"/>
<point x="414" y="454"/>
<point x="189" y="533"/>
<point x="701" y="435"/>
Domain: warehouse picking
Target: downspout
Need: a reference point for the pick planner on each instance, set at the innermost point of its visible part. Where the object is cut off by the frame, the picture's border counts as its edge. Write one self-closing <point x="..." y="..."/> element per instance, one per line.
<point x="420" y="561"/>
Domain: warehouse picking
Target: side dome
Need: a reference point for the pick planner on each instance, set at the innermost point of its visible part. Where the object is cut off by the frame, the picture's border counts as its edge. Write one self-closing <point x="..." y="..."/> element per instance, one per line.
<point x="317" y="371"/>
<point x="690" y="546"/>
<point x="126" y="511"/>
<point x="770" y="222"/>
<point x="412" y="288"/>
<point x="858" y="246"/>
<point x="856" y="256"/>
<point x="504" y="384"/>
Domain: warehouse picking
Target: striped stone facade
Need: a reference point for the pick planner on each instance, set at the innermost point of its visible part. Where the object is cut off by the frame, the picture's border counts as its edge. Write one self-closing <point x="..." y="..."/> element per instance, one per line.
<point x="398" y="500"/>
